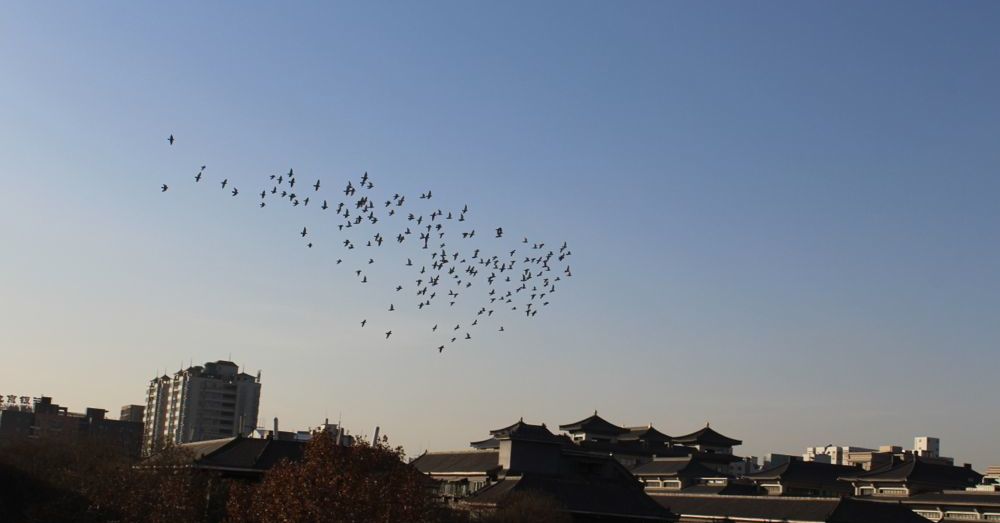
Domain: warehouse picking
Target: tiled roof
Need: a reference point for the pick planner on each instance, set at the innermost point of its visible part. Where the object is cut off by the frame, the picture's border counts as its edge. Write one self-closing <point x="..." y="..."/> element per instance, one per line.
<point x="244" y="454"/>
<point x="707" y="436"/>
<point x="471" y="461"/>
<point x="594" y="425"/>
<point x="590" y="498"/>
<point x="810" y="474"/>
<point x="647" y="433"/>
<point x="917" y="470"/>
<point x="819" y="510"/>
<point x="527" y="432"/>
<point x="679" y="467"/>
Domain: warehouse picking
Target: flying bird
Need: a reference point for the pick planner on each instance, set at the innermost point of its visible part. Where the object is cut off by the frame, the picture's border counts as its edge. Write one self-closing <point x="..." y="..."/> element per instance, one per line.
<point x="316" y="185"/>
<point x="224" y="182"/>
<point x="304" y="232"/>
<point x="170" y="140"/>
<point x="164" y="188"/>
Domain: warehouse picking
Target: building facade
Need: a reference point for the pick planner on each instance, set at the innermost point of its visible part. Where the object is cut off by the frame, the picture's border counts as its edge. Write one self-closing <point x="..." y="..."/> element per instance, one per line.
<point x="200" y="403"/>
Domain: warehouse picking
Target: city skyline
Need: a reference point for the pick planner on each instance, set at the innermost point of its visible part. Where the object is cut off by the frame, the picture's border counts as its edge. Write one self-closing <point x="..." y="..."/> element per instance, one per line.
<point x="783" y="216"/>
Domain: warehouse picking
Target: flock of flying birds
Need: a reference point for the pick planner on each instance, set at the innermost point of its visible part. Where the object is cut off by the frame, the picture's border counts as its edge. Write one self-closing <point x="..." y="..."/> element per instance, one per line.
<point x="480" y="285"/>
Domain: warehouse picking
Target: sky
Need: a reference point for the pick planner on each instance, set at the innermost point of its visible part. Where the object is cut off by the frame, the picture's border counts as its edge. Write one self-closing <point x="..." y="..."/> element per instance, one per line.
<point x="783" y="215"/>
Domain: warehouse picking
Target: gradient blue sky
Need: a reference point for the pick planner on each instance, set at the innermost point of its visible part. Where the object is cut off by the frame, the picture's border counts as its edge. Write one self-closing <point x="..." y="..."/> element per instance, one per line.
<point x="784" y="215"/>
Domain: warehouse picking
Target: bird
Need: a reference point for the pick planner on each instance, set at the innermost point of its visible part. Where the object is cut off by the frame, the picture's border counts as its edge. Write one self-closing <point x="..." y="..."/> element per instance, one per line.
<point x="235" y="191"/>
<point x="434" y="328"/>
<point x="501" y="328"/>
<point x="324" y="206"/>
<point x="387" y="334"/>
<point x="363" y="322"/>
<point x="263" y="194"/>
<point x="197" y="177"/>
<point x="163" y="188"/>
<point x="499" y="232"/>
<point x="316" y="185"/>
<point x="170" y="140"/>
<point x="224" y="182"/>
<point x="304" y="232"/>
<point x="310" y="245"/>
<point x="440" y="349"/>
<point x="262" y="204"/>
<point x="391" y="308"/>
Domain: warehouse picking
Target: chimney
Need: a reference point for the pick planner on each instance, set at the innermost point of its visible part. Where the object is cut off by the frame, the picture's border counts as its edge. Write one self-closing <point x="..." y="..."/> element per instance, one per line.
<point x="375" y="437"/>
<point x="274" y="433"/>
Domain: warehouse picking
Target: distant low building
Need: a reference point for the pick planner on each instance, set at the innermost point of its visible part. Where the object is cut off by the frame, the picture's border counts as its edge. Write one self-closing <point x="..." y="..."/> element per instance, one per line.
<point x="48" y="420"/>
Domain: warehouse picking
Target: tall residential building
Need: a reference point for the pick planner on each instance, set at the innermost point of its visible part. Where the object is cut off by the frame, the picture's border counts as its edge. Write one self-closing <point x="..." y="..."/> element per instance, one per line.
<point x="200" y="403"/>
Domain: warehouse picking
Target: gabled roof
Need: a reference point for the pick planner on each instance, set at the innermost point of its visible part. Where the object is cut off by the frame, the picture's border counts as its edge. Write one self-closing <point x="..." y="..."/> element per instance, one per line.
<point x="244" y="454"/>
<point x="677" y="467"/>
<point x="916" y="470"/>
<point x="809" y="474"/>
<point x="522" y="431"/>
<point x="462" y="462"/>
<point x="594" y="425"/>
<point x="707" y="436"/>
<point x="586" y="498"/>
<point x="647" y="433"/>
<point x="777" y="508"/>
<point x="488" y="443"/>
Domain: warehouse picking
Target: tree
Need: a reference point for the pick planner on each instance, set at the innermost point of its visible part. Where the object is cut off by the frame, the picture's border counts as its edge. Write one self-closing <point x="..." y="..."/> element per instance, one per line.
<point x="527" y="507"/>
<point x="362" y="483"/>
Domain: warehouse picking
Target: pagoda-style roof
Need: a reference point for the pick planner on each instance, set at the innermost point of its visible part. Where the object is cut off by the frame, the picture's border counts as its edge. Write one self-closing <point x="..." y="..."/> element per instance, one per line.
<point x="522" y="431"/>
<point x="594" y="425"/>
<point x="647" y="434"/>
<point x="707" y="436"/>
<point x="916" y="470"/>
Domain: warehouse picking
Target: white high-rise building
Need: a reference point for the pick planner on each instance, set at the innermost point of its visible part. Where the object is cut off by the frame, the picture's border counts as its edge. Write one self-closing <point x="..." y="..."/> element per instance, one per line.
<point x="927" y="446"/>
<point x="200" y="403"/>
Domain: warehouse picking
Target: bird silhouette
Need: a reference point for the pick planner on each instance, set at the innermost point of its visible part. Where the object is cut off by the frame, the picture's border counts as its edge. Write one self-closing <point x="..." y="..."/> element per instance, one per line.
<point x="197" y="177"/>
<point x="316" y="185"/>
<point x="387" y="334"/>
<point x="170" y="140"/>
<point x="363" y="322"/>
<point x="304" y="232"/>
<point x="235" y="191"/>
<point x="163" y="188"/>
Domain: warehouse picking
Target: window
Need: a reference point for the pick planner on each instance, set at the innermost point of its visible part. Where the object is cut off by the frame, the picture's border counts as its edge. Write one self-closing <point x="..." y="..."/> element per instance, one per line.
<point x="652" y="483"/>
<point x="961" y="515"/>
<point x="893" y="491"/>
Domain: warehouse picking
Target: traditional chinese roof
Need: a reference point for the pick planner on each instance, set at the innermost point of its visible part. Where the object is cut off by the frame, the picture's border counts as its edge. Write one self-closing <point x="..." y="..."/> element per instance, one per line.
<point x="707" y="436"/>
<point x="594" y="425"/>
<point x="647" y="434"/>
<point x="778" y="508"/>
<point x="462" y="462"/>
<point x="806" y="474"/>
<point x="591" y="499"/>
<point x="522" y="431"/>
<point x="916" y="470"/>
<point x="677" y="467"/>
<point x="239" y="454"/>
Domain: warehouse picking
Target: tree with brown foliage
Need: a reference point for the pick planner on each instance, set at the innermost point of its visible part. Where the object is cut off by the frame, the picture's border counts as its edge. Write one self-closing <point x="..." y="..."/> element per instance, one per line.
<point x="362" y="483"/>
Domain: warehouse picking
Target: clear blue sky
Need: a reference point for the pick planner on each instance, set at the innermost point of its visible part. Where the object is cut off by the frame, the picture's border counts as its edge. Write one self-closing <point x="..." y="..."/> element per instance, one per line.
<point x="784" y="216"/>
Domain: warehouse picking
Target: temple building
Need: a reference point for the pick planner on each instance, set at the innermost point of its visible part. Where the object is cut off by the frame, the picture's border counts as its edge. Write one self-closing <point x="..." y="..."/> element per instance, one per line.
<point x="804" y="478"/>
<point x="910" y="477"/>
<point x="520" y="457"/>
